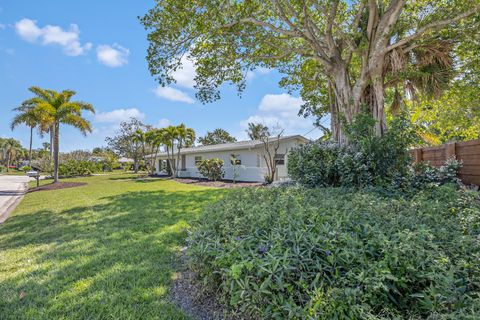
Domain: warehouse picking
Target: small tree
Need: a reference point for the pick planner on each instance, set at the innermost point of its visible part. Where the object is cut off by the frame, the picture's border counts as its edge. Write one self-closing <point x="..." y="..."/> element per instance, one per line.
<point x="235" y="163"/>
<point x="271" y="143"/>
<point x="212" y="169"/>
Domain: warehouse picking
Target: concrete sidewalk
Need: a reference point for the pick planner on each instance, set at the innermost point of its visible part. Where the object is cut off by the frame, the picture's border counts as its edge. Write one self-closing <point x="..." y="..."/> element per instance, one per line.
<point x="12" y="189"/>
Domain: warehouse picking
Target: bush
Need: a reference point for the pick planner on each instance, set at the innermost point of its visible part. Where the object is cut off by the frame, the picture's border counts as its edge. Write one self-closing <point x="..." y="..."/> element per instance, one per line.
<point x="212" y="169"/>
<point x="423" y="174"/>
<point x="336" y="254"/>
<point x="367" y="161"/>
<point x="26" y="168"/>
<point x="72" y="168"/>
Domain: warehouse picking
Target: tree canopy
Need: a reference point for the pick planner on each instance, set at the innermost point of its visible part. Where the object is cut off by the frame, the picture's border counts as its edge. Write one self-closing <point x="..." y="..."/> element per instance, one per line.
<point x="343" y="56"/>
<point x="217" y="136"/>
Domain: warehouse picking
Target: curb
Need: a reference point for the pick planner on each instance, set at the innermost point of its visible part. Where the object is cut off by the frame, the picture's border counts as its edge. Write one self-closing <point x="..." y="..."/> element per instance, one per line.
<point x="14" y="204"/>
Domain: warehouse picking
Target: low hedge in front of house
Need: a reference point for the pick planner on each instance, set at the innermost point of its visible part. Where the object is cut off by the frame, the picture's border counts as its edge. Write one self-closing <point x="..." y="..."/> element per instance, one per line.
<point x="334" y="253"/>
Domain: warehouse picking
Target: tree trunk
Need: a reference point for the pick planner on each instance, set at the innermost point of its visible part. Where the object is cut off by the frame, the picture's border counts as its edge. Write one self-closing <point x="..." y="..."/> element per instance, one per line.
<point x="135" y="165"/>
<point x="52" y="132"/>
<point x="346" y="104"/>
<point x="30" y="148"/>
<point x="56" y="147"/>
<point x="8" y="161"/>
<point x="377" y="107"/>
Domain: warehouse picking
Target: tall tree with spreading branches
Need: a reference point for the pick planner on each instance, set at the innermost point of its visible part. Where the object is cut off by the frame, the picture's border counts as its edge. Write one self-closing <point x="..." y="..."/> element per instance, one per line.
<point x="343" y="56"/>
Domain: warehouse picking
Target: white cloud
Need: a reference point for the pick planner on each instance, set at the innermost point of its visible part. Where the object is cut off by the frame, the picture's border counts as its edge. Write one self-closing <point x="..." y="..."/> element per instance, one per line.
<point x="112" y="56"/>
<point x="163" y="123"/>
<point x="280" y="110"/>
<point x="69" y="40"/>
<point x="172" y="94"/>
<point x="185" y="75"/>
<point x="119" y="115"/>
<point x="258" y="71"/>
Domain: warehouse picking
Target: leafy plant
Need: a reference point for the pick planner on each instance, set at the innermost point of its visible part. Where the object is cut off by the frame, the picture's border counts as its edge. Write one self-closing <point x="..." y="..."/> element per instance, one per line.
<point x="74" y="168"/>
<point x="26" y="168"/>
<point x="212" y="169"/>
<point x="369" y="160"/>
<point x="330" y="253"/>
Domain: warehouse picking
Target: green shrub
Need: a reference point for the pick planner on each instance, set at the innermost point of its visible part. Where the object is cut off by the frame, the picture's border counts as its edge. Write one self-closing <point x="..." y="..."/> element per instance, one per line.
<point x="212" y="169"/>
<point x="26" y="168"/>
<point x="337" y="254"/>
<point x="72" y="168"/>
<point x="367" y="161"/>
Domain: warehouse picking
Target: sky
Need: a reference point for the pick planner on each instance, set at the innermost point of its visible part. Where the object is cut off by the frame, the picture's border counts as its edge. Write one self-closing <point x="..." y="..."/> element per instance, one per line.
<point x="98" y="49"/>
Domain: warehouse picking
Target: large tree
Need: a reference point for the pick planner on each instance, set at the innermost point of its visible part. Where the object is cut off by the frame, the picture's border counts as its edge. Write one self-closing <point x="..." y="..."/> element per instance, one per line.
<point x="55" y="108"/>
<point x="217" y="136"/>
<point x="343" y="56"/>
<point x="124" y="143"/>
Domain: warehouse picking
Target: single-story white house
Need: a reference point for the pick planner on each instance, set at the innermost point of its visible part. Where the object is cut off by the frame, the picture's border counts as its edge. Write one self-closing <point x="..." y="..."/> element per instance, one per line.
<point x="250" y="167"/>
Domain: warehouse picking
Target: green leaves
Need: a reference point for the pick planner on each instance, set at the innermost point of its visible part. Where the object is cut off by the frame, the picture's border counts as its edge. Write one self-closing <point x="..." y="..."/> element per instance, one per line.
<point x="336" y="254"/>
<point x="211" y="169"/>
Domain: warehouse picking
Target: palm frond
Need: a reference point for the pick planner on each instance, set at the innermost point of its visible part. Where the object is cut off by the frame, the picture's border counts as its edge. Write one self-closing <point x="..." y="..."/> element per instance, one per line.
<point x="46" y="95"/>
<point x="78" y="122"/>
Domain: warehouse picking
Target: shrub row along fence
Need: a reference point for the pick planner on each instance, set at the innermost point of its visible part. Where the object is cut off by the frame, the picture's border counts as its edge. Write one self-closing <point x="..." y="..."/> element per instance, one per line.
<point x="468" y="152"/>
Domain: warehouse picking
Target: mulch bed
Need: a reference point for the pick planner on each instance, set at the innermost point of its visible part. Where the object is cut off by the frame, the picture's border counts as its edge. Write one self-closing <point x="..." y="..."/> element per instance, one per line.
<point x="57" y="186"/>
<point x="189" y="296"/>
<point x="219" y="184"/>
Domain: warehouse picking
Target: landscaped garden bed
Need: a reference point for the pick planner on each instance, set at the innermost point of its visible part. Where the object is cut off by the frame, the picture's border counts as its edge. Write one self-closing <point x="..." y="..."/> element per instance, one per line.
<point x="333" y="253"/>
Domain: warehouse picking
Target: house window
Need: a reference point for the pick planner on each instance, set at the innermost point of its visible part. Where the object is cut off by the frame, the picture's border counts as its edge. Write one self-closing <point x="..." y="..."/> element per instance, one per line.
<point x="279" y="159"/>
<point x="198" y="159"/>
<point x="162" y="165"/>
<point x="235" y="159"/>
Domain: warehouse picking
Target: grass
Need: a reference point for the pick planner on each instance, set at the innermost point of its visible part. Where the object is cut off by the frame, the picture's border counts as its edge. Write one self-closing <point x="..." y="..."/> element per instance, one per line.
<point x="12" y="172"/>
<point x="101" y="251"/>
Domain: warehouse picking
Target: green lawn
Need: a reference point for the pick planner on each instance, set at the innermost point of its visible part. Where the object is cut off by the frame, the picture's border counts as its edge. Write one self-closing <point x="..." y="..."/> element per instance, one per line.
<point x="101" y="251"/>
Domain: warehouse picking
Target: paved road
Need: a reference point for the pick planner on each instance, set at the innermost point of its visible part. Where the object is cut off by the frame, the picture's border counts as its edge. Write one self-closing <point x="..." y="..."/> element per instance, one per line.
<point x="12" y="189"/>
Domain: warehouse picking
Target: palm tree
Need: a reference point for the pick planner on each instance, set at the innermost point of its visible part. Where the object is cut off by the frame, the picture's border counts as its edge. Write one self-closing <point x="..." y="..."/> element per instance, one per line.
<point x="155" y="138"/>
<point x="54" y="108"/>
<point x="256" y="131"/>
<point x="11" y="149"/>
<point x="170" y="134"/>
<point x="185" y="138"/>
<point x="140" y="138"/>
<point x="26" y="115"/>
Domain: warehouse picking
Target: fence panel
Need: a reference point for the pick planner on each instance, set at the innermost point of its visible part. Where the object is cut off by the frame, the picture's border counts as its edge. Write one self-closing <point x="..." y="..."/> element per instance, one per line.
<point x="468" y="152"/>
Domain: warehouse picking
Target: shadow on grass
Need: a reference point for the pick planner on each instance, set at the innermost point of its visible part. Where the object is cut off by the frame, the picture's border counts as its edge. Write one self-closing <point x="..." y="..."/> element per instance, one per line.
<point x="110" y="260"/>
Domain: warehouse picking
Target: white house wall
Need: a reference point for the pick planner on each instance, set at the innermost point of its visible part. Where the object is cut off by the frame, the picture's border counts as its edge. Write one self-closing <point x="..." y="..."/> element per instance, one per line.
<point x="249" y="170"/>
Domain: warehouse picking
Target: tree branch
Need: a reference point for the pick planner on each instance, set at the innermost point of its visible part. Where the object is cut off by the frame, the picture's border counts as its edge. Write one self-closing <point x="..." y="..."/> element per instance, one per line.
<point x="432" y="26"/>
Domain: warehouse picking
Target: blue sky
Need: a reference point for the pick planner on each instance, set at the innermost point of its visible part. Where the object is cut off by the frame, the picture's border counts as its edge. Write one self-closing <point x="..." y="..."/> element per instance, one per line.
<point x="98" y="49"/>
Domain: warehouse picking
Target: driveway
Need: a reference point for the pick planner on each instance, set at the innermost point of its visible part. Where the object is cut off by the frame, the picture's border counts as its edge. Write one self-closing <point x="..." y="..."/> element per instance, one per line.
<point x="12" y="189"/>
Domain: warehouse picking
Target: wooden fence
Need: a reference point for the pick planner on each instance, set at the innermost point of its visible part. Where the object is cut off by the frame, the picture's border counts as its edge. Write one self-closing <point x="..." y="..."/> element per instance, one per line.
<point x="468" y="152"/>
